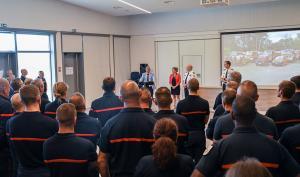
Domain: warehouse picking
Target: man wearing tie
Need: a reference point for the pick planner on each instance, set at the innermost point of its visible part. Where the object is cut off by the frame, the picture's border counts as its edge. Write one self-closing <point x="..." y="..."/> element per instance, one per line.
<point x="190" y="74"/>
<point x="147" y="80"/>
<point x="226" y="72"/>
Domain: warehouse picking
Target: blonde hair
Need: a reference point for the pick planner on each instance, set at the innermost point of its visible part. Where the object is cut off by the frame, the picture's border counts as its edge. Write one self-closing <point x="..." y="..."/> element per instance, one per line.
<point x="60" y="89"/>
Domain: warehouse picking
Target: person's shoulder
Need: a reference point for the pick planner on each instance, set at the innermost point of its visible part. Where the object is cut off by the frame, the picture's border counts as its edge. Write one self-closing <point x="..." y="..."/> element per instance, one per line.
<point x="224" y="118"/>
<point x="290" y="131"/>
<point x="185" y="158"/>
<point x="264" y="118"/>
<point x="51" y="140"/>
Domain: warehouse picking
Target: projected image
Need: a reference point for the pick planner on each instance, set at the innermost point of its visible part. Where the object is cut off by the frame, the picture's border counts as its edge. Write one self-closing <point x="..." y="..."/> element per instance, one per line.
<point x="266" y="57"/>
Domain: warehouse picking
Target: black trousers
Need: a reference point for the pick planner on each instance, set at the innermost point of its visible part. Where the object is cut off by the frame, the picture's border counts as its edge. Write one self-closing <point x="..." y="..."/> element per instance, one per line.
<point x="186" y="92"/>
<point x="6" y="165"/>
<point x="196" y="144"/>
<point x="39" y="172"/>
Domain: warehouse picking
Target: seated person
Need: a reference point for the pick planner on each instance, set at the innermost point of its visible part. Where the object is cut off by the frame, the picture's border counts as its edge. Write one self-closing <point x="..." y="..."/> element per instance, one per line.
<point x="296" y="97"/>
<point x="146" y="101"/>
<point x="165" y="161"/>
<point x="291" y="141"/>
<point x="286" y="113"/>
<point x="246" y="141"/>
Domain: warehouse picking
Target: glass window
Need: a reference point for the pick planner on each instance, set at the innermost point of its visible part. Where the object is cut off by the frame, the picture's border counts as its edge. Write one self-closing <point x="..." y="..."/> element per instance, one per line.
<point x="7" y="42"/>
<point x="29" y="42"/>
<point x="34" y="62"/>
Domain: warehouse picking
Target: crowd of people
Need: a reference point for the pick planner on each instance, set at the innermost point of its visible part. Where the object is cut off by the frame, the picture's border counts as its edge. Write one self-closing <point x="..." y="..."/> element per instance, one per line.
<point x="39" y="138"/>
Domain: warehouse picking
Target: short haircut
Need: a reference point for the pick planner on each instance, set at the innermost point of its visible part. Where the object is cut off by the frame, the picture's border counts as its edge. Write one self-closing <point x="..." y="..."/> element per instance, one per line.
<point x="287" y="88"/>
<point x="66" y="115"/>
<point x="193" y="85"/>
<point x="27" y="81"/>
<point x="108" y="84"/>
<point x="77" y="99"/>
<point x="228" y="62"/>
<point x="232" y="85"/>
<point x="248" y="88"/>
<point x="228" y="96"/>
<point x="163" y="97"/>
<point x="165" y="127"/>
<point x="249" y="167"/>
<point x="145" y="95"/>
<point x="60" y="89"/>
<point x="130" y="91"/>
<point x="296" y="80"/>
<point x="16" y="102"/>
<point x="4" y="84"/>
<point x="16" y="84"/>
<point x="29" y="94"/>
<point x="175" y="68"/>
<point x="37" y="82"/>
<point x="235" y="76"/>
<point x="243" y="110"/>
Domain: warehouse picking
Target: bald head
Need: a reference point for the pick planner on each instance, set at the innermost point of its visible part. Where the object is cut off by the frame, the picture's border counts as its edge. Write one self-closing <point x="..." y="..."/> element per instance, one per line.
<point x="39" y="84"/>
<point x="189" y="67"/>
<point x="77" y="99"/>
<point x="130" y="92"/>
<point x="235" y="76"/>
<point x="16" y="103"/>
<point x="248" y="88"/>
<point x="4" y="87"/>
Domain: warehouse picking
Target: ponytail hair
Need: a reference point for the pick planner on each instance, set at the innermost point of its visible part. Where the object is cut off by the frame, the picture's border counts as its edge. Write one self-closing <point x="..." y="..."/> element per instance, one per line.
<point x="60" y="90"/>
<point x="164" y="149"/>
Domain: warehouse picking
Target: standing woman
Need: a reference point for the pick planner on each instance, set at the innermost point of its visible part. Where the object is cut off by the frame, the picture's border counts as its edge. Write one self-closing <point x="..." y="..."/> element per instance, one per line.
<point x="174" y="81"/>
<point x="60" y="90"/>
<point x="165" y="161"/>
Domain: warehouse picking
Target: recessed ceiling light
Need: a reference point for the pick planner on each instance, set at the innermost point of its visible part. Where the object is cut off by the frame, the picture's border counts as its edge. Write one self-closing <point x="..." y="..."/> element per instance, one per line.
<point x="169" y="2"/>
<point x="117" y="7"/>
<point x="134" y="6"/>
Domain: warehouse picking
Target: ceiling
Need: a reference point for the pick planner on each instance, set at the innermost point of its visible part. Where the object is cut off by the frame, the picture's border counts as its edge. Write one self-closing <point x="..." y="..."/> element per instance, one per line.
<point x="116" y="8"/>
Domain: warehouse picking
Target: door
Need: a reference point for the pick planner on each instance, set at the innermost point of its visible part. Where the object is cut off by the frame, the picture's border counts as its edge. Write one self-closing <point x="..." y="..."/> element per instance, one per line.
<point x="73" y="72"/>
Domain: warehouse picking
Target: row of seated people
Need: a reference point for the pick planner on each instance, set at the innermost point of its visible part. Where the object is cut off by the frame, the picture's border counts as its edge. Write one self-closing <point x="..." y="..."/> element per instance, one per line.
<point x="128" y="136"/>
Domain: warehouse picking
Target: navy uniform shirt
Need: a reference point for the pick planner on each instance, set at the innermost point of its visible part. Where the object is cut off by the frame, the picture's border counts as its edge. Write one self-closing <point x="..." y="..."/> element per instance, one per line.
<point x="182" y="166"/>
<point x="211" y="126"/>
<point x="247" y="142"/>
<point x="285" y="114"/>
<point x="218" y="101"/>
<point x="219" y="111"/>
<point x="50" y="109"/>
<point x="290" y="139"/>
<point x="296" y="98"/>
<point x="68" y="155"/>
<point x="127" y="137"/>
<point x="196" y="110"/>
<point x="6" y="111"/>
<point x="225" y="125"/>
<point x="88" y="127"/>
<point x="182" y="124"/>
<point x="106" y="107"/>
<point x="28" y="131"/>
<point x="149" y="111"/>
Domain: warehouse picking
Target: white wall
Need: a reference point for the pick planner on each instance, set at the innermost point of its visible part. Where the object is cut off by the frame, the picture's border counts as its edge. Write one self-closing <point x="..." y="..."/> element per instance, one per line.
<point x="207" y="23"/>
<point x="58" y="16"/>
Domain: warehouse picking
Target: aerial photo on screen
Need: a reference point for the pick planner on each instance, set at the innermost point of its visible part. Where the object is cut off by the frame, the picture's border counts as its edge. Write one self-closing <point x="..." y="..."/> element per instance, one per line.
<point x="264" y="57"/>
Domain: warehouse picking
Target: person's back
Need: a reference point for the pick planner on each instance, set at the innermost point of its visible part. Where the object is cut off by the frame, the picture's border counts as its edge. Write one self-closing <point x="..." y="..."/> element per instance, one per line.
<point x="165" y="160"/>
<point x="225" y="125"/>
<point x="163" y="100"/>
<point x="296" y="96"/>
<point x="28" y="131"/>
<point x="107" y="106"/>
<point x="126" y="137"/>
<point x="291" y="141"/>
<point x="246" y="141"/>
<point x="286" y="113"/>
<point x="67" y="154"/>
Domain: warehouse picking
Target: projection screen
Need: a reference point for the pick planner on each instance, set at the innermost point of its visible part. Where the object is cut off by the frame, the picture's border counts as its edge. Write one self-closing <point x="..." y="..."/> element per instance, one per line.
<point x="265" y="57"/>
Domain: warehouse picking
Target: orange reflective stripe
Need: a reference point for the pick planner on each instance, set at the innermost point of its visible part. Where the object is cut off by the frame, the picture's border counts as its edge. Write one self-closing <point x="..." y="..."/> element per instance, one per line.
<point x="108" y="109"/>
<point x="50" y="113"/>
<point x="6" y="115"/>
<point x="132" y="140"/>
<point x="194" y="112"/>
<point x="265" y="164"/>
<point x="182" y="134"/>
<point x="85" y="135"/>
<point x="28" y="139"/>
<point x="288" y="121"/>
<point x="65" y="161"/>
